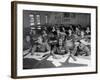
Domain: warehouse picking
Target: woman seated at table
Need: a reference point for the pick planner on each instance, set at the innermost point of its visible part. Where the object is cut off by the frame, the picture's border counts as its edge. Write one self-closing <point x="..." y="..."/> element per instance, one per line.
<point x="83" y="48"/>
<point x="59" y="50"/>
<point x="42" y="46"/>
<point x="69" y="40"/>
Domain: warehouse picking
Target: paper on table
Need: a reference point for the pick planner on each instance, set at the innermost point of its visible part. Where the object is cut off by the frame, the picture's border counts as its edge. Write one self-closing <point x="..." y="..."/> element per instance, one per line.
<point x="36" y="56"/>
<point x="56" y="63"/>
<point x="63" y="59"/>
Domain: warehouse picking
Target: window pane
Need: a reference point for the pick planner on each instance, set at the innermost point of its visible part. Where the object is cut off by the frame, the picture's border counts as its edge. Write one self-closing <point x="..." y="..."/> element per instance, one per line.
<point x="38" y="19"/>
<point x="31" y="16"/>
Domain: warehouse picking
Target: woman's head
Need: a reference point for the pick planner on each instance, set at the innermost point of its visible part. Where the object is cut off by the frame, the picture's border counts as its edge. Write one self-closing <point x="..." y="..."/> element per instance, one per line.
<point x="40" y="39"/>
<point x="27" y="38"/>
<point x="70" y="31"/>
<point x="82" y="33"/>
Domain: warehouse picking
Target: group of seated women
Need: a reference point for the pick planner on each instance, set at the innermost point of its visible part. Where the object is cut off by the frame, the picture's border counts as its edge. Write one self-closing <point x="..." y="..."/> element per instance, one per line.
<point x="60" y="40"/>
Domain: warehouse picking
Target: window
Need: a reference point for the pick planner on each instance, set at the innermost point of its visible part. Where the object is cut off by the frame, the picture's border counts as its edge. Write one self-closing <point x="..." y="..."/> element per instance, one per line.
<point x="46" y="19"/>
<point x="32" y="22"/>
<point x="38" y="19"/>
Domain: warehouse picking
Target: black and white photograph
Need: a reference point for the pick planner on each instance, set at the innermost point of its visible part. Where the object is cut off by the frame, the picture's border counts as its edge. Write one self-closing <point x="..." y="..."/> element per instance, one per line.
<point x="56" y="39"/>
<point x="53" y="39"/>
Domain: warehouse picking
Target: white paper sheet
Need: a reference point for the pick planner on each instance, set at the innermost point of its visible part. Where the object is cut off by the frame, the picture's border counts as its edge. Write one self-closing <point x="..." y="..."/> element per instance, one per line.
<point x="56" y="63"/>
<point x="61" y="59"/>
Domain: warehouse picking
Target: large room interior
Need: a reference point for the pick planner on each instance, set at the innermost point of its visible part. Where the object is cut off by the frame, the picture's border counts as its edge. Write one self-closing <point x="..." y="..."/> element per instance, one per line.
<point x="48" y="23"/>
